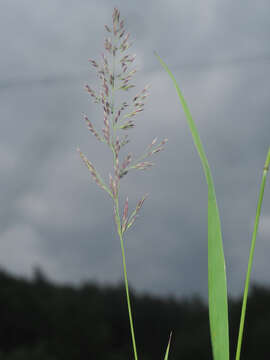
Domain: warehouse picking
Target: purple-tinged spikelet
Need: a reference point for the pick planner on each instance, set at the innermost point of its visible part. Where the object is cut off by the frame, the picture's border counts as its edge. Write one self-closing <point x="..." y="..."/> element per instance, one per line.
<point x="113" y="184"/>
<point x="125" y="216"/>
<point x="126" y="162"/>
<point x="143" y="165"/>
<point x="116" y="168"/>
<point x="140" y="203"/>
<point x="117" y="146"/>
<point x="91" y="127"/>
<point x="128" y="125"/>
<point x="94" y="63"/>
<point x="106" y="129"/>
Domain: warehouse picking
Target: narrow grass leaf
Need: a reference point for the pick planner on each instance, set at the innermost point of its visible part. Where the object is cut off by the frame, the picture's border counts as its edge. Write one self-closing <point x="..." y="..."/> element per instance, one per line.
<point x="168" y="348"/>
<point x="251" y="255"/>
<point x="217" y="284"/>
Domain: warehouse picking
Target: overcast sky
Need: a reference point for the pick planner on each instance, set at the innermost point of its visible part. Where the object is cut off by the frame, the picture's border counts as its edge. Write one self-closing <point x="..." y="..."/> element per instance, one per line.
<point x="54" y="216"/>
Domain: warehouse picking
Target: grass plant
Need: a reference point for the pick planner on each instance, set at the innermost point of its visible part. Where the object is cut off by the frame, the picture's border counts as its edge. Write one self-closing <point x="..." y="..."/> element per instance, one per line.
<point x="115" y="75"/>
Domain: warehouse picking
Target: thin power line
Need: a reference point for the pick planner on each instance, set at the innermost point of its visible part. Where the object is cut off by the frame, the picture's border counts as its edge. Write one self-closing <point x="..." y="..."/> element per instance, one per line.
<point x="52" y="80"/>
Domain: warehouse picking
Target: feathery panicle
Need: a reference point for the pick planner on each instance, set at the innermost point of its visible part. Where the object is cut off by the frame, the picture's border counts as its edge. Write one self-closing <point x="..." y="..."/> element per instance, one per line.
<point x="115" y="73"/>
<point x="115" y="117"/>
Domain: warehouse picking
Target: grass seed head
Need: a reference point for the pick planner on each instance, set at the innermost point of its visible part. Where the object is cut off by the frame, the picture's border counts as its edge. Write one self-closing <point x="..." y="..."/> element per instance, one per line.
<point x="115" y="73"/>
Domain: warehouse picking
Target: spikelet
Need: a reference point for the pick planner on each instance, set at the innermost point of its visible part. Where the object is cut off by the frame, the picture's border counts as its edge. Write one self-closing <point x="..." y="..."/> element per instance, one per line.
<point x="125" y="216"/>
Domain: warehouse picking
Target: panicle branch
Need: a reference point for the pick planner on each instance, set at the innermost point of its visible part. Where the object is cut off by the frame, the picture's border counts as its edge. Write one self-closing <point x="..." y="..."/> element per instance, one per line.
<point x="96" y="177"/>
<point x="134" y="215"/>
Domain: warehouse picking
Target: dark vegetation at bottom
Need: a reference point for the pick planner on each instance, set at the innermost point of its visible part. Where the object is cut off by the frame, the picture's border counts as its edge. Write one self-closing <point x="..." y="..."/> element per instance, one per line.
<point x="43" y="321"/>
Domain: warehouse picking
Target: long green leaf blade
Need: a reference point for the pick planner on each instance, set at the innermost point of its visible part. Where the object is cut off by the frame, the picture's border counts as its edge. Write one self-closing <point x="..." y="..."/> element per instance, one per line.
<point x="217" y="284"/>
<point x="251" y="255"/>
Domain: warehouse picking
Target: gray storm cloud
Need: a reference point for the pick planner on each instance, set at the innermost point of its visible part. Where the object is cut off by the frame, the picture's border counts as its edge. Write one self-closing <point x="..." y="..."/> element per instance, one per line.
<point x="53" y="214"/>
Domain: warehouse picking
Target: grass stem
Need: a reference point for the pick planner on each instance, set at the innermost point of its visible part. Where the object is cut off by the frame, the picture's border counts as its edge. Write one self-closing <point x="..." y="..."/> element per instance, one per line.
<point x="126" y="279"/>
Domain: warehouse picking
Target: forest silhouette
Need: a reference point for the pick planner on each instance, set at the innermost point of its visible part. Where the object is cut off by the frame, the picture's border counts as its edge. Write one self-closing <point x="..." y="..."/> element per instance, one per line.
<point x="40" y="320"/>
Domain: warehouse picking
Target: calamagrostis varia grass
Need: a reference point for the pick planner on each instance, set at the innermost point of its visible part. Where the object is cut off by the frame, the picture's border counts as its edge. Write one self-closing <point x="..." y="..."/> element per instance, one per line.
<point x="115" y="74"/>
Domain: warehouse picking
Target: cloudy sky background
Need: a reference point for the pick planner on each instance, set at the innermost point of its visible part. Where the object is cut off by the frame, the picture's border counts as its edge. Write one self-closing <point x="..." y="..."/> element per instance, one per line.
<point x="53" y="215"/>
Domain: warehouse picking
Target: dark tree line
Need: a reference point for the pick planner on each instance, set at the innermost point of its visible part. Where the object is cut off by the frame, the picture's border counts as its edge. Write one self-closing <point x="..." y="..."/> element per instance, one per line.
<point x="43" y="321"/>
